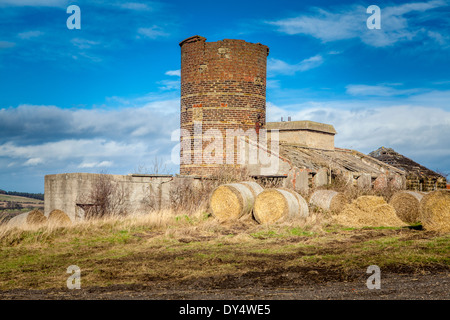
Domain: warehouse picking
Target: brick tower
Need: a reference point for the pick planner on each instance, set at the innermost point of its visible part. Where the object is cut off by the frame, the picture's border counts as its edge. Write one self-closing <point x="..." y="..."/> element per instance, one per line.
<point x="223" y="87"/>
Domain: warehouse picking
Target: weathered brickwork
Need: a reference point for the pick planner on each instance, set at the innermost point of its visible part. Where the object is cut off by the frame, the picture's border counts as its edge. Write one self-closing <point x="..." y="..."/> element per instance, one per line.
<point x="223" y="86"/>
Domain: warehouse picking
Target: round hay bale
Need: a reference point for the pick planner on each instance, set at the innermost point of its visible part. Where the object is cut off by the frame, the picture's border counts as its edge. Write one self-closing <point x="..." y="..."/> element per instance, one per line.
<point x="407" y="205"/>
<point x="368" y="211"/>
<point x="273" y="204"/>
<point x="253" y="186"/>
<point x="31" y="218"/>
<point x="58" y="217"/>
<point x="303" y="204"/>
<point x="234" y="200"/>
<point x="329" y="200"/>
<point x="434" y="212"/>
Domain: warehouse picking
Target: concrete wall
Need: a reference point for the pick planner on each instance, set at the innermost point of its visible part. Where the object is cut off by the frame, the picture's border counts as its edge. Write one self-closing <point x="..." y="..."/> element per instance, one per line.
<point x="311" y="139"/>
<point x="306" y="133"/>
<point x="64" y="191"/>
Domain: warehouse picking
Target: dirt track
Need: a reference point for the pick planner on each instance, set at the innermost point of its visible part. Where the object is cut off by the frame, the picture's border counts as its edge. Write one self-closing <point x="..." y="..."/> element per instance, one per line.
<point x="306" y="284"/>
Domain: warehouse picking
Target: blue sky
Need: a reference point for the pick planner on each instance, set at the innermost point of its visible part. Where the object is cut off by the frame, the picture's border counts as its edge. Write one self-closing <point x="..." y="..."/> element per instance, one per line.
<point x="106" y="97"/>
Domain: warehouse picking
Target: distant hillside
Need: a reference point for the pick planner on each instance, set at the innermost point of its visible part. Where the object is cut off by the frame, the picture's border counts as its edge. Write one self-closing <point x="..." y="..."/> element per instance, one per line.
<point x="38" y="196"/>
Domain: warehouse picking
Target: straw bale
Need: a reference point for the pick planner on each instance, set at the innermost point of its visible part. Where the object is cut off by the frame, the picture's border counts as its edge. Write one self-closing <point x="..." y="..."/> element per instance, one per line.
<point x="254" y="187"/>
<point x="434" y="212"/>
<point x="36" y="217"/>
<point x="273" y="205"/>
<point x="303" y="205"/>
<point x="233" y="201"/>
<point x="370" y="211"/>
<point x="329" y="200"/>
<point x="58" y="217"/>
<point x="31" y="218"/>
<point x="407" y="205"/>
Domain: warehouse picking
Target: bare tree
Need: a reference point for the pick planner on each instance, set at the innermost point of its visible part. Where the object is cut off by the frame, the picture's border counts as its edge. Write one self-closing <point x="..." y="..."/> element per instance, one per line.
<point x="157" y="166"/>
<point x="105" y="198"/>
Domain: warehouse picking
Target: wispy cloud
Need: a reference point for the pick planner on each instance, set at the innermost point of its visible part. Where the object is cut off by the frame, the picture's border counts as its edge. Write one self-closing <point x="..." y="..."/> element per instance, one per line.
<point x="33" y="162"/>
<point x="377" y="90"/>
<point x="169" y="84"/>
<point x="83" y="43"/>
<point x="30" y="34"/>
<point x="174" y="73"/>
<point x="349" y="22"/>
<point x="277" y="66"/>
<point x="136" y="6"/>
<point x="102" y="164"/>
<point x="152" y="32"/>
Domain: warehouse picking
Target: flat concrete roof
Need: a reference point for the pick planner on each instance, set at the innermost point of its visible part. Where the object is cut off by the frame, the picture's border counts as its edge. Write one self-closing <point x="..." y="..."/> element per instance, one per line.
<point x="301" y="125"/>
<point x="151" y="175"/>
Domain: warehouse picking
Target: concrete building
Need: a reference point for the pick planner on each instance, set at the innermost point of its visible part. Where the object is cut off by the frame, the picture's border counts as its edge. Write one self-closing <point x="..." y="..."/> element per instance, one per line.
<point x="69" y="192"/>
<point x="305" y="133"/>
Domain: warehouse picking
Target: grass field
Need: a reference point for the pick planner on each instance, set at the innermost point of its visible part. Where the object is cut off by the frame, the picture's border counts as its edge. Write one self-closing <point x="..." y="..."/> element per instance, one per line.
<point x="5" y="197"/>
<point x="27" y="205"/>
<point x="174" y="250"/>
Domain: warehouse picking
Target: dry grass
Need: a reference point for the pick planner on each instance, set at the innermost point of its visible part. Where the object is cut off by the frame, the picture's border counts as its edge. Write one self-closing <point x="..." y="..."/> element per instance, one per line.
<point x="368" y="211"/>
<point x="164" y="246"/>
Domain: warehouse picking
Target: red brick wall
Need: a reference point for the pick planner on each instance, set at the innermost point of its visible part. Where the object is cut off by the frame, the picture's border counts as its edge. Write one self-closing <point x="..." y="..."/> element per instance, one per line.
<point x="223" y="85"/>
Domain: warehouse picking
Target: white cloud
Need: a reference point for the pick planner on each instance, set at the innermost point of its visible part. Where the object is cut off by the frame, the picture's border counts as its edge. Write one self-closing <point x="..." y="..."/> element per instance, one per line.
<point x="276" y="66"/>
<point x="152" y="32"/>
<point x="439" y="38"/>
<point x="135" y="6"/>
<point x="83" y="43"/>
<point x="176" y="73"/>
<point x="30" y="34"/>
<point x="102" y="164"/>
<point x="273" y="84"/>
<point x="33" y="162"/>
<point x="169" y="84"/>
<point x="377" y="90"/>
<point x="69" y="149"/>
<point x="310" y="63"/>
<point x="350" y="23"/>
<point x="53" y="140"/>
